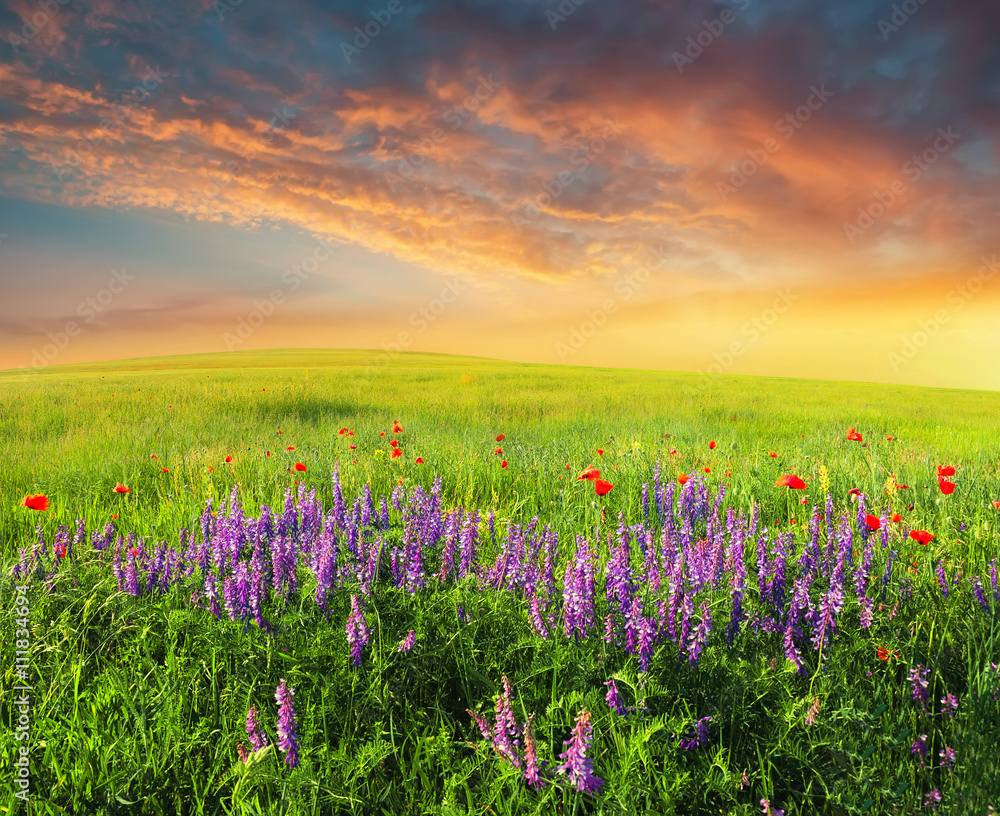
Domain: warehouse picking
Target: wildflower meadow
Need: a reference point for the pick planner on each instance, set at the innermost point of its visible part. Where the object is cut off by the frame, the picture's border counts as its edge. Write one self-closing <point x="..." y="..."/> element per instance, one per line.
<point x="299" y="582"/>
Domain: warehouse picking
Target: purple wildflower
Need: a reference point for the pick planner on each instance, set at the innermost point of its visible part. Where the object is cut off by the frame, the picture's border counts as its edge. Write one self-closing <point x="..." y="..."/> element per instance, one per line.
<point x="576" y="764"/>
<point x="614" y="701"/>
<point x="506" y="733"/>
<point x="932" y="799"/>
<point x="919" y="746"/>
<point x="947" y="757"/>
<point x="949" y="704"/>
<point x="767" y="810"/>
<point x="813" y="711"/>
<point x="484" y="727"/>
<point x="918" y="678"/>
<point x="241" y="749"/>
<point x="531" y="755"/>
<point x="257" y="738"/>
<point x="698" y="737"/>
<point x="357" y="631"/>
<point x="408" y="642"/>
<point x="287" y="738"/>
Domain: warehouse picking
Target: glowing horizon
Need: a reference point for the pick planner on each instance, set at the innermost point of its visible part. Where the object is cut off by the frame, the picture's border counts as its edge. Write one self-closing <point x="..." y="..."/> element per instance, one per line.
<point x="745" y="188"/>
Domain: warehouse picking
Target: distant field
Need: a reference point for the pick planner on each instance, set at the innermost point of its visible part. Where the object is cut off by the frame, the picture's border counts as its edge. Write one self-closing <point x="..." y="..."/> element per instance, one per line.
<point x="705" y="579"/>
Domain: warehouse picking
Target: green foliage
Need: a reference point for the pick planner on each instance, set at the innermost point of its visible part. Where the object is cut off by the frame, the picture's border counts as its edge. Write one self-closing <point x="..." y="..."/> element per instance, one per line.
<point x="139" y="704"/>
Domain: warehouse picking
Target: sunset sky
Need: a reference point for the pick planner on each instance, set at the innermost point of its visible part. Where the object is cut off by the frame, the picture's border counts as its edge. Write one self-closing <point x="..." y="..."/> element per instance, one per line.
<point x="779" y="187"/>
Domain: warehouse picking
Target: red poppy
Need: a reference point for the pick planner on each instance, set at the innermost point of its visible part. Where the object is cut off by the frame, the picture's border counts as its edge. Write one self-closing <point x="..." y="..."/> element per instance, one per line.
<point x="882" y="652"/>
<point x="61" y="550"/>
<point x="290" y="448"/>
<point x="921" y="536"/>
<point x="153" y="456"/>
<point x="397" y="429"/>
<point x="600" y="451"/>
<point x="711" y="446"/>
<point x="672" y="452"/>
<point x="996" y="503"/>
<point x="792" y="481"/>
<point x="803" y="500"/>
<point x="397" y="452"/>
<point x="945" y="471"/>
<point x="872" y="522"/>
<point x="342" y="431"/>
<point x="567" y="468"/>
<point x="773" y="455"/>
<point x="229" y="459"/>
<point x="300" y="467"/>
<point x="853" y="435"/>
<point x="39" y="502"/>
<point x="120" y="488"/>
<point x="889" y="438"/>
<point x="419" y="461"/>
<point x="267" y="454"/>
<point x="500" y="437"/>
<point x="590" y="473"/>
<point x="353" y="447"/>
<point x="503" y="464"/>
<point x="946" y="487"/>
<point x="394" y="443"/>
<point x="728" y="474"/>
<point x="498" y="451"/>
<point x="165" y="470"/>
<point x="601" y="487"/>
<point x="211" y="469"/>
<point x="683" y="478"/>
<point x="350" y="433"/>
<point x="381" y="433"/>
<point x="896" y="517"/>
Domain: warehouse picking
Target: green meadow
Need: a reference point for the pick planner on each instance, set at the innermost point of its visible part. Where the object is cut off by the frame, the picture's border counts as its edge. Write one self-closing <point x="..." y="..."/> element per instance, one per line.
<point x="139" y="701"/>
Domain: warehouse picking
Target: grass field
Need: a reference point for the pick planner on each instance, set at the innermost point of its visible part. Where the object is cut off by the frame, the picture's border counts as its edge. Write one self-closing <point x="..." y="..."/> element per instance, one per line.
<point x="802" y="634"/>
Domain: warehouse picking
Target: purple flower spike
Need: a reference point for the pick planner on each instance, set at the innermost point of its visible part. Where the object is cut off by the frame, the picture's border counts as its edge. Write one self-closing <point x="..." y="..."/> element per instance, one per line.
<point x="257" y="738"/>
<point x="407" y="644"/>
<point x="287" y="729"/>
<point x="357" y="631"/>
<point x="531" y="755"/>
<point x="576" y="764"/>
<point x="767" y="810"/>
<point x="613" y="699"/>
<point x="699" y="737"/>
<point x="918" y="678"/>
<point x="947" y="757"/>
<point x="932" y="799"/>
